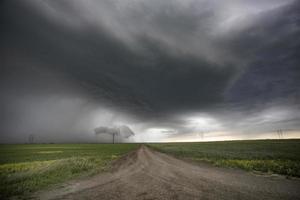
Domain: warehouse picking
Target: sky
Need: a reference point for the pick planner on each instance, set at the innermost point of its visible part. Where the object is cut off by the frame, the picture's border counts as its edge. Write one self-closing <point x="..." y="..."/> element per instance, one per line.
<point x="171" y="71"/>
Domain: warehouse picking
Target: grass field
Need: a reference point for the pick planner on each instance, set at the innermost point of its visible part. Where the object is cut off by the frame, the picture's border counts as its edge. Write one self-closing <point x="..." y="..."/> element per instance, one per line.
<point x="28" y="168"/>
<point x="271" y="156"/>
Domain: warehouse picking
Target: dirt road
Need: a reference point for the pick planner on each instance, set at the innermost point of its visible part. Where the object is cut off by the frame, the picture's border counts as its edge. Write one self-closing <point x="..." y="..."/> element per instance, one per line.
<point x="146" y="174"/>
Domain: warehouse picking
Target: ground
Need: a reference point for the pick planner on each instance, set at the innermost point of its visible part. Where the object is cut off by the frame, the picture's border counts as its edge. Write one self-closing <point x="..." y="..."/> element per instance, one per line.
<point x="268" y="156"/>
<point x="205" y="170"/>
<point x="27" y="168"/>
<point x="148" y="174"/>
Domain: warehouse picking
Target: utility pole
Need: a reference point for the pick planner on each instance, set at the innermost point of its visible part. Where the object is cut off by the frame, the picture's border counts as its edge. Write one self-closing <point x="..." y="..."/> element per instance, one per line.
<point x="31" y="139"/>
<point x="202" y="135"/>
<point x="280" y="134"/>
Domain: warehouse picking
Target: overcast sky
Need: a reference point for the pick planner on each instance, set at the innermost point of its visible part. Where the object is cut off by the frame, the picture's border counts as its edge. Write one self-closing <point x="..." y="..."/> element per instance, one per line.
<point x="170" y="70"/>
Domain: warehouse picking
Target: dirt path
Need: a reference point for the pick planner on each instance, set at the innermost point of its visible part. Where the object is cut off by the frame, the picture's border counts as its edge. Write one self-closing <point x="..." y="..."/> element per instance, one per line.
<point x="147" y="174"/>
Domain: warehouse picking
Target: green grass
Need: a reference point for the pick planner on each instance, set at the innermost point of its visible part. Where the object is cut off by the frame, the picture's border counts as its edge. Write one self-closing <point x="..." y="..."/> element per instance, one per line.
<point x="28" y="168"/>
<point x="269" y="156"/>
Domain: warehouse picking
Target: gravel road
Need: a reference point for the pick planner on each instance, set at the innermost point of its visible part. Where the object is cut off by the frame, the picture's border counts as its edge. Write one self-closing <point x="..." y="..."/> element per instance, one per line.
<point x="147" y="174"/>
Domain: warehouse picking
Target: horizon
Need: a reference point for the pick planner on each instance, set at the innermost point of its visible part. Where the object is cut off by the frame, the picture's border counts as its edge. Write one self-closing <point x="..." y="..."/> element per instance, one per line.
<point x="160" y="142"/>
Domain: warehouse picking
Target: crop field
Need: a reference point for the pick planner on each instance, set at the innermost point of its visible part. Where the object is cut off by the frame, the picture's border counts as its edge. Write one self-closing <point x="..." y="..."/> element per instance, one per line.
<point x="28" y="168"/>
<point x="269" y="156"/>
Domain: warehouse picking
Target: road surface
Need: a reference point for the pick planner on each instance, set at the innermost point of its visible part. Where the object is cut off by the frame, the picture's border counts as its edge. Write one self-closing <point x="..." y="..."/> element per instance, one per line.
<point x="147" y="174"/>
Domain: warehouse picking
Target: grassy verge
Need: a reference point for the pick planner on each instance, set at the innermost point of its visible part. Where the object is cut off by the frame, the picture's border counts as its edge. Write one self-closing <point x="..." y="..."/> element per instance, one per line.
<point x="270" y="156"/>
<point x="28" y="168"/>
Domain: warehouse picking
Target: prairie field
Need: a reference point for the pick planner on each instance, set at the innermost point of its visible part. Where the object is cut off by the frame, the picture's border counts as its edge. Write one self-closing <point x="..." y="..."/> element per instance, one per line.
<point x="29" y="167"/>
<point x="268" y="156"/>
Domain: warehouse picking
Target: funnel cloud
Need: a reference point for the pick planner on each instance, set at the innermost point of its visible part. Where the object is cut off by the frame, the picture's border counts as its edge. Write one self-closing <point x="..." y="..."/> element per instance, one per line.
<point x="120" y="133"/>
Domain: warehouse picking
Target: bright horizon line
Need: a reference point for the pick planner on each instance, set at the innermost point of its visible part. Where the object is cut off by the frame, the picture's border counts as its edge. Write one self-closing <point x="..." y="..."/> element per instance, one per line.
<point x="207" y="141"/>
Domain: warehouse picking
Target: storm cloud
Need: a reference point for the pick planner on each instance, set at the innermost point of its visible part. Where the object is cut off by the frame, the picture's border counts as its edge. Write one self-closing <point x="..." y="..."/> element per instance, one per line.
<point x="168" y="69"/>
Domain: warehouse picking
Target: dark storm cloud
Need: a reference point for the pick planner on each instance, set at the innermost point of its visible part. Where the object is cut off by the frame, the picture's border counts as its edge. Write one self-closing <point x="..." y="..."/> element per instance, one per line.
<point x="273" y="72"/>
<point x="150" y="62"/>
<point x="122" y="131"/>
<point x="109" y="69"/>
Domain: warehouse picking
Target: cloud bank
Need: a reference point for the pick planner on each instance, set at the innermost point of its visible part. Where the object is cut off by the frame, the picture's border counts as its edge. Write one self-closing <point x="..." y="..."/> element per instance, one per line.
<point x="171" y="69"/>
